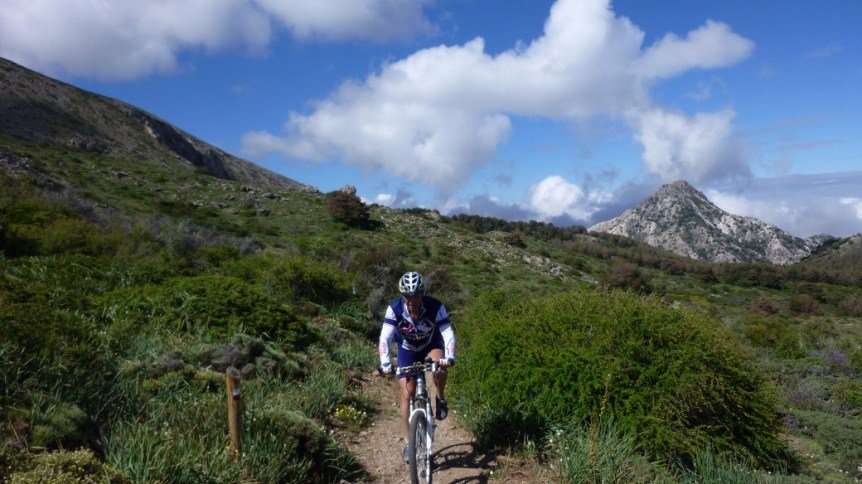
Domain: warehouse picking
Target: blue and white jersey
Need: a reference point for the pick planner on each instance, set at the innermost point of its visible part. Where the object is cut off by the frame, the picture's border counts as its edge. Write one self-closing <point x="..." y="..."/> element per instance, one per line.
<point x="416" y="335"/>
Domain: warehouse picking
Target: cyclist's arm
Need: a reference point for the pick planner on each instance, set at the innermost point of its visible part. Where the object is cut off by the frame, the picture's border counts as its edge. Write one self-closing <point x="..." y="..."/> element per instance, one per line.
<point x="448" y="341"/>
<point x="387" y="333"/>
<point x="446" y="331"/>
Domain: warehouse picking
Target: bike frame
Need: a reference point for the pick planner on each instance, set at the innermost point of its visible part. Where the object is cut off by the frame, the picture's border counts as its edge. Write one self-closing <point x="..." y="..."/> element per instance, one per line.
<point x="424" y="399"/>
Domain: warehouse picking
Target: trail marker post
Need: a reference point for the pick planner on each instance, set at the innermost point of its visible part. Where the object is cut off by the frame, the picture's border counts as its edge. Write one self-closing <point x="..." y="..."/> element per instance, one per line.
<point x="234" y="410"/>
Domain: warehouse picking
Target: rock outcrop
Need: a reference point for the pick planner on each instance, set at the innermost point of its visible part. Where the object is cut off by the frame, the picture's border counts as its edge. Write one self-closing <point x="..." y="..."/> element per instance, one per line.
<point x="681" y="219"/>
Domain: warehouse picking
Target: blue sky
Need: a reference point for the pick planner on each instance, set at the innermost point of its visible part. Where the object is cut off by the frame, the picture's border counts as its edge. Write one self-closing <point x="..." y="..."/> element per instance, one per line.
<point x="569" y="111"/>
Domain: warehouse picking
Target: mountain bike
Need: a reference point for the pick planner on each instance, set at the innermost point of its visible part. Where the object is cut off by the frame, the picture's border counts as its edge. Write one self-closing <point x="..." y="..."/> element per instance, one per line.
<point x="421" y="439"/>
<point x="420" y="443"/>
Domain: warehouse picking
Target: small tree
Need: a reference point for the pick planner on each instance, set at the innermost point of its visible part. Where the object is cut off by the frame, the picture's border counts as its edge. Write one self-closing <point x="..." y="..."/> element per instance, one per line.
<point x="804" y="304"/>
<point x="626" y="275"/>
<point x="347" y="208"/>
<point x="764" y="305"/>
<point x="514" y="239"/>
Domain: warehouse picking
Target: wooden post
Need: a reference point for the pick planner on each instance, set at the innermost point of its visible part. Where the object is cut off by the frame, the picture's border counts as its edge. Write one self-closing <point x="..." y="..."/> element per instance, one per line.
<point x="234" y="410"/>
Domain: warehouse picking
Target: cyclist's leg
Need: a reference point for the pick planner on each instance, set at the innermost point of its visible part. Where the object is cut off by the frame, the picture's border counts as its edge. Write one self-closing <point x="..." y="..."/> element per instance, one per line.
<point x="407" y="385"/>
<point x="440" y="375"/>
<point x="408" y="389"/>
<point x="436" y="352"/>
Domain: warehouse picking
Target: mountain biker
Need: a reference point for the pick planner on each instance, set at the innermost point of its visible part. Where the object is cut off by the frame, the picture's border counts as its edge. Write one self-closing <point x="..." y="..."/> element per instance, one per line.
<point x="420" y="326"/>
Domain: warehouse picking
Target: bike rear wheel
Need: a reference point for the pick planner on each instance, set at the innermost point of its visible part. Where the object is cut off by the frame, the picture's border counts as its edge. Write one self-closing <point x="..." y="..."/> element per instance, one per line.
<point x="418" y="459"/>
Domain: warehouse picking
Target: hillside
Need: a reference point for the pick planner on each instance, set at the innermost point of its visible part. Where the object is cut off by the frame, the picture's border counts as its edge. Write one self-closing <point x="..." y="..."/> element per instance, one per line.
<point x="41" y="110"/>
<point x="682" y="220"/>
<point x="133" y="276"/>
<point x="839" y="255"/>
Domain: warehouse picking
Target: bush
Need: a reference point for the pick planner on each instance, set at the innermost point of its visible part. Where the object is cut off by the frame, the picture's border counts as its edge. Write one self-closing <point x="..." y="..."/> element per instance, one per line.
<point x="851" y="306"/>
<point x="671" y="377"/>
<point x="58" y="425"/>
<point x="514" y="239"/>
<point x="764" y="306"/>
<point x="215" y="304"/>
<point x="300" y="277"/>
<point x="347" y="208"/>
<point x="804" y="304"/>
<point x="378" y="267"/>
<point x="62" y="466"/>
<point x="625" y="275"/>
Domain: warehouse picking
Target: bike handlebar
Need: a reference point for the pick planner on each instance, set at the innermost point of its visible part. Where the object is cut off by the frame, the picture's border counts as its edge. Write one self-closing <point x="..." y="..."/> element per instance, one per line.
<point x="415" y="368"/>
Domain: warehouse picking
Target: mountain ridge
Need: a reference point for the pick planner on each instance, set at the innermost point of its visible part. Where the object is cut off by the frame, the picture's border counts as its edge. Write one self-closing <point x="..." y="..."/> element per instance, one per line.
<point x="681" y="219"/>
<point x="37" y="108"/>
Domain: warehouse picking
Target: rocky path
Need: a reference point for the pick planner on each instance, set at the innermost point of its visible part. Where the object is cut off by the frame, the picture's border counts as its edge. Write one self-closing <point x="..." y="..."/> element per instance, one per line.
<point x="378" y="446"/>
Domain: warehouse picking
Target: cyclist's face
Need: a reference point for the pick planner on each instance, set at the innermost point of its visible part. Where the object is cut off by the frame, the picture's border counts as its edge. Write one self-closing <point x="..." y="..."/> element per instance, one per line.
<point x="413" y="303"/>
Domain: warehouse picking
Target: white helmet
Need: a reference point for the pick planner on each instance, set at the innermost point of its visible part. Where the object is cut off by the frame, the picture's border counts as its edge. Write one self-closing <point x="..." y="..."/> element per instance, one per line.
<point x="411" y="283"/>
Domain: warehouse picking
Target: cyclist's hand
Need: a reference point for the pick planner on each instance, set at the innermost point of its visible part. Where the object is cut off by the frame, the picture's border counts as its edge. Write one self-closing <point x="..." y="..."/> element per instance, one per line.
<point x="385" y="369"/>
<point x="445" y="362"/>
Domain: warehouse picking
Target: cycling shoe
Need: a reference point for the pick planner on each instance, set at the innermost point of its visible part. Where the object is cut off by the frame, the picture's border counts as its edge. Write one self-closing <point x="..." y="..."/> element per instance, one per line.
<point x="442" y="408"/>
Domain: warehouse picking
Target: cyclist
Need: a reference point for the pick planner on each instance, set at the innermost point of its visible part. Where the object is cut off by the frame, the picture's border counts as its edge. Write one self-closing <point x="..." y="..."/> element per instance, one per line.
<point x="421" y="328"/>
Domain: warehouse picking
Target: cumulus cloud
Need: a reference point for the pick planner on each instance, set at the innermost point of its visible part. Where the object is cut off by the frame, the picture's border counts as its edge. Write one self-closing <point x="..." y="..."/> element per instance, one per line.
<point x="694" y="148"/>
<point x="130" y="39"/>
<point x="855" y="203"/>
<point x="713" y="45"/>
<point x="555" y="196"/>
<point x="442" y="112"/>
<point x="553" y="199"/>
<point x="802" y="205"/>
<point x="384" y="199"/>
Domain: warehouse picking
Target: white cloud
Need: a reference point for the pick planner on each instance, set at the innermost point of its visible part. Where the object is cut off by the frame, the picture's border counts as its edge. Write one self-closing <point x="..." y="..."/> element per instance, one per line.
<point x="123" y="40"/>
<point x="442" y="112"/>
<point x="713" y="45"/>
<point x="384" y="199"/>
<point x="802" y="205"/>
<point x="855" y="203"/>
<point x="694" y="148"/>
<point x="556" y="197"/>
<point x="128" y="39"/>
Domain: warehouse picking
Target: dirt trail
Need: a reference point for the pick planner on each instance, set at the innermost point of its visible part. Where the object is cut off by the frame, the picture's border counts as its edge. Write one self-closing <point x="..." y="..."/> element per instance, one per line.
<point x="457" y="460"/>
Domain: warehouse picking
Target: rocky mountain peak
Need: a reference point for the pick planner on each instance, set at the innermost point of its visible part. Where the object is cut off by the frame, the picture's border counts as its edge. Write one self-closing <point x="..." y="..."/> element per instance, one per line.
<point x="681" y="219"/>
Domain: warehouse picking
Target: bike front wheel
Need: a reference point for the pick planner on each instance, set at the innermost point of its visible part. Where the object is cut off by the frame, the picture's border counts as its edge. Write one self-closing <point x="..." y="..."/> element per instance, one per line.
<point x="418" y="458"/>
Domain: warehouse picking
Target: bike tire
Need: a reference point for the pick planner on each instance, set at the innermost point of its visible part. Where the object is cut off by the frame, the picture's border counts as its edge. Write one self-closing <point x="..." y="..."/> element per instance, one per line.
<point x="418" y="459"/>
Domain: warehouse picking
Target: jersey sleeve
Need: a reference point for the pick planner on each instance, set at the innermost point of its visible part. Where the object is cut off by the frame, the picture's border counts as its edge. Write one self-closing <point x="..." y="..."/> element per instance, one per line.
<point x="442" y="318"/>
<point x="449" y="341"/>
<point x="389" y="318"/>
<point x="447" y="332"/>
<point x="387" y="332"/>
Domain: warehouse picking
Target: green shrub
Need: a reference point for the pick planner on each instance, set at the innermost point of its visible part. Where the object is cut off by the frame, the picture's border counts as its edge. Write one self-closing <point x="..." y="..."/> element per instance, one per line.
<point x="58" y="425"/>
<point x="299" y="277"/>
<point x="215" y="304"/>
<point x="378" y="268"/>
<point x="773" y="333"/>
<point x="670" y="376"/>
<point x="764" y="306"/>
<point x="851" y="306"/>
<point x="804" y="304"/>
<point x="347" y="208"/>
<point x="62" y="467"/>
<point x="625" y="275"/>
